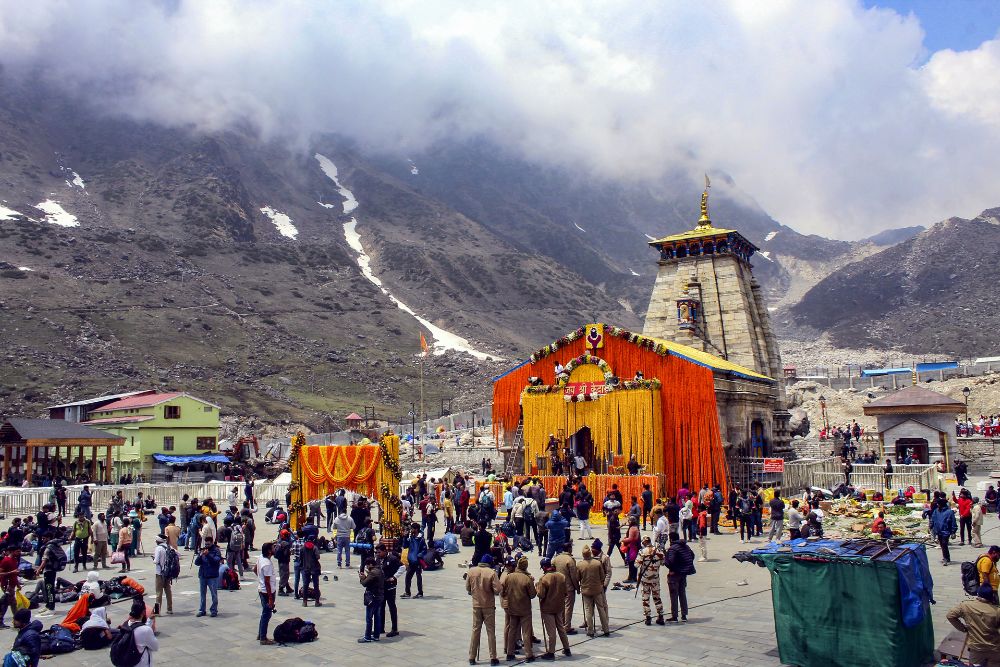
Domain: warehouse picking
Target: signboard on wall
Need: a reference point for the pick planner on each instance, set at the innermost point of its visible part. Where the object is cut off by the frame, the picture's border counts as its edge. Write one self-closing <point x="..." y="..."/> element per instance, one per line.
<point x="774" y="465"/>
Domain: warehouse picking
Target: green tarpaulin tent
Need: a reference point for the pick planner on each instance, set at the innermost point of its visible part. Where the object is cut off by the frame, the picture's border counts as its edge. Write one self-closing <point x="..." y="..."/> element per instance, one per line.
<point x="834" y="606"/>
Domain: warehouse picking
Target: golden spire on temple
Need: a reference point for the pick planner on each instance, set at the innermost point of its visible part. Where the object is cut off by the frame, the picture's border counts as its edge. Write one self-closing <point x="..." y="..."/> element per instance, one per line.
<point x="704" y="222"/>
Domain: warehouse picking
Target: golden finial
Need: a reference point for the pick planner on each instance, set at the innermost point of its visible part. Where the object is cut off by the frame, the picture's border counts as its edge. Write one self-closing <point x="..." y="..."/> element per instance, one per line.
<point x="704" y="222"/>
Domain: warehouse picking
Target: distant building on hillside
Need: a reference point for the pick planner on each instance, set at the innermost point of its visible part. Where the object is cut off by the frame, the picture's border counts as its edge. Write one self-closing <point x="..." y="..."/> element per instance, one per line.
<point x="79" y="411"/>
<point x="172" y="423"/>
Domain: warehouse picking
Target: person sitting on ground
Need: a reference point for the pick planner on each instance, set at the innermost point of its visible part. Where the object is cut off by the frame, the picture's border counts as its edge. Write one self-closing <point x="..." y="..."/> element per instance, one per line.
<point x="29" y="639"/>
<point x="96" y="633"/>
<point x="880" y="527"/>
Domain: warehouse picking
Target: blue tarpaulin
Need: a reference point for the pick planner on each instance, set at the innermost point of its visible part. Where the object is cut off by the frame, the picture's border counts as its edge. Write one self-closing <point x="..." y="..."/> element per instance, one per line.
<point x="936" y="366"/>
<point x="869" y="372"/>
<point x="184" y="460"/>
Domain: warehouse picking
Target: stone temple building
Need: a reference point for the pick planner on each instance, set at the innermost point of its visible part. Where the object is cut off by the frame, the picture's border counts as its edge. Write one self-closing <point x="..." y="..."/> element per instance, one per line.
<point x="706" y="297"/>
<point x="916" y="422"/>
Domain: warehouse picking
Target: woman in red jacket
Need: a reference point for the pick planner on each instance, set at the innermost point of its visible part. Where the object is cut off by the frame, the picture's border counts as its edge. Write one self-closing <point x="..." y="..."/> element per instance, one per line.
<point x="964" y="502"/>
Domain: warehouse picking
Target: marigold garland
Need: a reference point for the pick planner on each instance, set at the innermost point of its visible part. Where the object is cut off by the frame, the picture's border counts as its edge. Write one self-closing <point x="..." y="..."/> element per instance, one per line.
<point x="690" y="442"/>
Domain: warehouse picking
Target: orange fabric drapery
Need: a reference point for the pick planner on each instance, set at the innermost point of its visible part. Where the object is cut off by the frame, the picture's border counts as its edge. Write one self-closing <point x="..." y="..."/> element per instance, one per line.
<point x="691" y="441"/>
<point x="328" y="468"/>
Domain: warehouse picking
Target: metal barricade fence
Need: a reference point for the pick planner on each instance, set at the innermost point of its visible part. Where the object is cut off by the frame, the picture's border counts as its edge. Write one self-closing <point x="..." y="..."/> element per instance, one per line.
<point x="23" y="501"/>
<point x="871" y="476"/>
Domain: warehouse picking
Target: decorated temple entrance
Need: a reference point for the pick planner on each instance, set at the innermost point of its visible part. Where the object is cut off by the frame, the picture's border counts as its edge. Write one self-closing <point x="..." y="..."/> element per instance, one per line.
<point x="371" y="470"/>
<point x="636" y="397"/>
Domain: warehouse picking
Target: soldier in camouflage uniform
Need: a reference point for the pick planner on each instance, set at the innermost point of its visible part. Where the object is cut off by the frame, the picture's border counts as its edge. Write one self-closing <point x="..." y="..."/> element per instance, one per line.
<point x="648" y="563"/>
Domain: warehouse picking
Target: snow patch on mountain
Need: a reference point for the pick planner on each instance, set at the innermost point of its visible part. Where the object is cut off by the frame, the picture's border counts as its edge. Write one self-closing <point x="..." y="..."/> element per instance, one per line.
<point x="632" y="271"/>
<point x="766" y="255"/>
<point x="281" y="222"/>
<point x="580" y="228"/>
<point x="651" y="238"/>
<point x="9" y="213"/>
<point x="770" y="235"/>
<point x="443" y="340"/>
<point x="76" y="181"/>
<point x="55" y="214"/>
<point x="325" y="205"/>
<point x="25" y="268"/>
<point x="330" y="169"/>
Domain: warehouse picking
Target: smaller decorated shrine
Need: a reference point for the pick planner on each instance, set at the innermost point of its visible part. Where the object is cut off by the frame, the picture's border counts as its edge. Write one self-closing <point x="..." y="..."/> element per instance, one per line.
<point x="371" y="470"/>
<point x="603" y="395"/>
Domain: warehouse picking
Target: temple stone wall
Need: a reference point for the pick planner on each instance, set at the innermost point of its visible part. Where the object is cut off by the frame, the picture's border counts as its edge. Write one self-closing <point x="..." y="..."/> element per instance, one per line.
<point x="733" y="323"/>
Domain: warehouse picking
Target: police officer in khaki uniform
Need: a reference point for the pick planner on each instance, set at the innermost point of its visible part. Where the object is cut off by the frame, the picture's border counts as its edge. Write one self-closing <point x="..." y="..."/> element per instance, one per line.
<point x="509" y="566"/>
<point x="592" y="588"/>
<point x="483" y="585"/>
<point x="551" y="603"/>
<point x="565" y="564"/>
<point x="518" y="588"/>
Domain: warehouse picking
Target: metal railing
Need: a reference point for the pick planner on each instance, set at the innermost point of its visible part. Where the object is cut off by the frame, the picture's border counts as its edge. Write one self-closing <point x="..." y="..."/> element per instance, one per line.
<point x="21" y="501"/>
<point x="828" y="472"/>
<point x="870" y="476"/>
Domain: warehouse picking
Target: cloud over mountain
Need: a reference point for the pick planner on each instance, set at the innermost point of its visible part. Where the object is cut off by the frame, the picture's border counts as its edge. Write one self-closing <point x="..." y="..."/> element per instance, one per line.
<point x="831" y="114"/>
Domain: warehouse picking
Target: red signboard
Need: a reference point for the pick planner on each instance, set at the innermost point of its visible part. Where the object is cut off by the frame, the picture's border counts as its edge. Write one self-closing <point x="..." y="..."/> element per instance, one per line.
<point x="581" y="389"/>
<point x="774" y="465"/>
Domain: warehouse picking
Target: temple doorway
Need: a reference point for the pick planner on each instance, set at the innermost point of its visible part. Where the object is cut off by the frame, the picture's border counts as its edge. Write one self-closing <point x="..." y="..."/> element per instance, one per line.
<point x="915" y="447"/>
<point x="582" y="444"/>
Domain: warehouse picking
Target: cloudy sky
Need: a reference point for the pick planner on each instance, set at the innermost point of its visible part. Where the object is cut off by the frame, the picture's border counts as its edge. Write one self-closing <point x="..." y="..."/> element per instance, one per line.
<point x="840" y="117"/>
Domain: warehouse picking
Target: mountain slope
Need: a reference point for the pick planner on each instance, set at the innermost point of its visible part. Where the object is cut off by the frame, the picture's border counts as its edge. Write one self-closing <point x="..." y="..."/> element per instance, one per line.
<point x="932" y="293"/>
<point x="137" y="255"/>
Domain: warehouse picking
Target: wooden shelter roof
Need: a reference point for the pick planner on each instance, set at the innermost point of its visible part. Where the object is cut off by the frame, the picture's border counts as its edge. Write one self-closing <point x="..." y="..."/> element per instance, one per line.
<point x="53" y="433"/>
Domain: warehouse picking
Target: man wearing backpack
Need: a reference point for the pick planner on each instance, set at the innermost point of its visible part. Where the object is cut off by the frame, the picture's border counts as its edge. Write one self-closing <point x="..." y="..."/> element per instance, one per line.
<point x="986" y="567"/>
<point x="680" y="564"/>
<point x="163" y="574"/>
<point x="234" y="550"/>
<point x="282" y="551"/>
<point x="53" y="561"/>
<point x="136" y="641"/>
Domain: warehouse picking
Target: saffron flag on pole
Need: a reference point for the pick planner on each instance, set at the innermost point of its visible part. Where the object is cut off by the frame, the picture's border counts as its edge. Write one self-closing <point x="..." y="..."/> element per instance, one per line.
<point x="423" y="344"/>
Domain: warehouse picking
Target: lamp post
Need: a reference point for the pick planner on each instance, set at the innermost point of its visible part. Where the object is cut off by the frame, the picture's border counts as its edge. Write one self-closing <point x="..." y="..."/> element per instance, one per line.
<point x="413" y="432"/>
<point x="822" y="407"/>
<point x="965" y="392"/>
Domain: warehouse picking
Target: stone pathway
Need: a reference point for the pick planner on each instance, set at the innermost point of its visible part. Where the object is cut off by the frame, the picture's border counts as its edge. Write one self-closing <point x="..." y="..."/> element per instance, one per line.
<point x="731" y="621"/>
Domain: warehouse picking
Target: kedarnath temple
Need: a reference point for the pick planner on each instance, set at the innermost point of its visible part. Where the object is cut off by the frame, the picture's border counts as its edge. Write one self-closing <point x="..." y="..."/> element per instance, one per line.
<point x="698" y="388"/>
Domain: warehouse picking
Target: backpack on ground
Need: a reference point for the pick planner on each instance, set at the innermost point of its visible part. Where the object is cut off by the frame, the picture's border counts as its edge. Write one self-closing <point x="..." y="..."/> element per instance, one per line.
<point x="124" y="652"/>
<point x="231" y="580"/>
<point x="56" y="640"/>
<point x="171" y="564"/>
<point x="307" y="633"/>
<point x="970" y="577"/>
<point x="287" y="632"/>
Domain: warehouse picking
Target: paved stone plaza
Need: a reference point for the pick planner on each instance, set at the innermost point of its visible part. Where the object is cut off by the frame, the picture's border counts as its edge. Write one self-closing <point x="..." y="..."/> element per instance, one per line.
<point x="730" y="620"/>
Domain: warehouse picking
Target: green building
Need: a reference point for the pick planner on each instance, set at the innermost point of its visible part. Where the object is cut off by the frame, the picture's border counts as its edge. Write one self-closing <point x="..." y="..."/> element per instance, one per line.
<point x="172" y="423"/>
